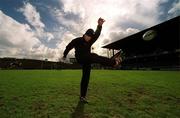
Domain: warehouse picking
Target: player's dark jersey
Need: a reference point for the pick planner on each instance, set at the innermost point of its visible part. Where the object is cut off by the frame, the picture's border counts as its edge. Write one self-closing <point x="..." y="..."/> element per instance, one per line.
<point x="82" y="48"/>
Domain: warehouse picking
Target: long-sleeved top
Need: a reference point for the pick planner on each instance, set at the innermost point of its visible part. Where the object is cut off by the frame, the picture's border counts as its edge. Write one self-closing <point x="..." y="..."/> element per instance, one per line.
<point x="82" y="47"/>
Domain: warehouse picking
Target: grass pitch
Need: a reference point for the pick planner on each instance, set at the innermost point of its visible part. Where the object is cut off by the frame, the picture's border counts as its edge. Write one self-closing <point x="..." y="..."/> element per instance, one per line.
<point x="112" y="94"/>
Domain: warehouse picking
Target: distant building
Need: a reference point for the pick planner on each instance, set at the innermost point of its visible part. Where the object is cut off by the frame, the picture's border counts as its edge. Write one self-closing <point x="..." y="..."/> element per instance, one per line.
<point x="73" y="60"/>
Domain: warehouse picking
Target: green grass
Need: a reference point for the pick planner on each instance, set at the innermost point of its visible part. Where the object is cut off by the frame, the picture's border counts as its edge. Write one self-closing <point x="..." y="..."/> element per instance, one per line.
<point x="112" y="94"/>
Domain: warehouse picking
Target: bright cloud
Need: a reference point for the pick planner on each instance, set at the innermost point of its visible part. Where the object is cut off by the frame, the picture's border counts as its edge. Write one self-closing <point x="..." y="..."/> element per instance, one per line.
<point x="16" y="35"/>
<point x="19" y="40"/>
<point x="34" y="19"/>
<point x="31" y="15"/>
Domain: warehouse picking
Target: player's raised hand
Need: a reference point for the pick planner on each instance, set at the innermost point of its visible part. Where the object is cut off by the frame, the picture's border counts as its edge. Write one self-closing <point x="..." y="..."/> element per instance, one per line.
<point x="101" y="21"/>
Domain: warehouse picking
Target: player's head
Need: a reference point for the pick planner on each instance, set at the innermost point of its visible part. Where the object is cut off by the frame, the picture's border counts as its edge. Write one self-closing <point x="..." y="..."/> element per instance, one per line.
<point x="89" y="34"/>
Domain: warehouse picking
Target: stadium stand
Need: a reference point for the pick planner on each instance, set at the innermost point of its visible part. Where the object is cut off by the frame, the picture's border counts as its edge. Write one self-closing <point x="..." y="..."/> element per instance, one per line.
<point x="160" y="53"/>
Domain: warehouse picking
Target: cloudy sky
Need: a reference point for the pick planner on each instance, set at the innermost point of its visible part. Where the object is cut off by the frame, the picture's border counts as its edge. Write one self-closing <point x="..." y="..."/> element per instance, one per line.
<point x="41" y="29"/>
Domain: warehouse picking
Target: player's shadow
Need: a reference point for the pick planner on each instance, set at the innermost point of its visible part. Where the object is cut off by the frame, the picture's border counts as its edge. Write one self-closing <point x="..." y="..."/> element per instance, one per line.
<point x="78" y="111"/>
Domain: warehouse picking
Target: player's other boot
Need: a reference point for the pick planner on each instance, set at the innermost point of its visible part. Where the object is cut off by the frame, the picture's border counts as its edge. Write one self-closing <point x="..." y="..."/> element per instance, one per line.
<point x="83" y="100"/>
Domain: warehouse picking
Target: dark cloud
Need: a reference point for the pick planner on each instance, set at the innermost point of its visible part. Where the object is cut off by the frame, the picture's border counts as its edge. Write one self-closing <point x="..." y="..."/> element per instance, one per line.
<point x="106" y="41"/>
<point x="127" y="23"/>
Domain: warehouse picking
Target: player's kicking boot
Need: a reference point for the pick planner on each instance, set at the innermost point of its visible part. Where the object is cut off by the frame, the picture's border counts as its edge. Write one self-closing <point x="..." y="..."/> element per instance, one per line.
<point x="118" y="57"/>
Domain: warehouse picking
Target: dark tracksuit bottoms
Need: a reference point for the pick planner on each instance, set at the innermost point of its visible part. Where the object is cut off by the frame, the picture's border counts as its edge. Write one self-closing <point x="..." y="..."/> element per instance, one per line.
<point x="86" y="69"/>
